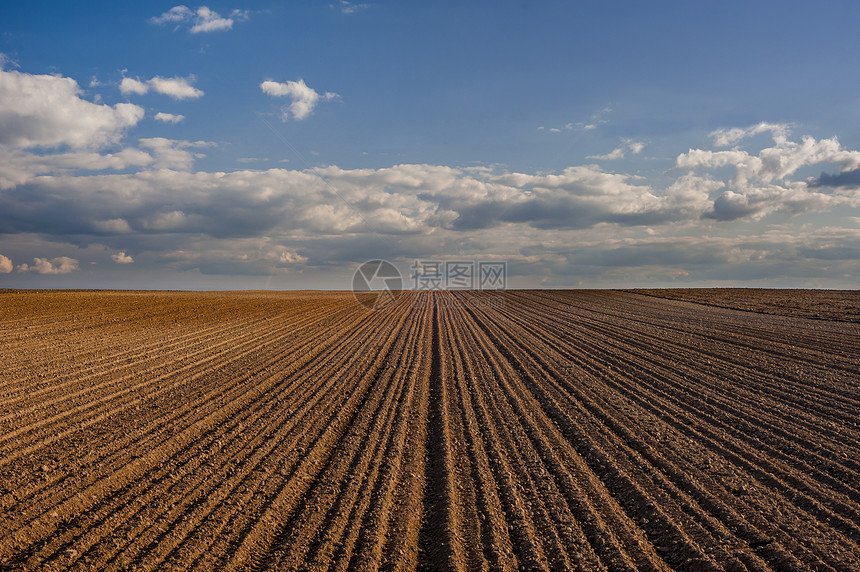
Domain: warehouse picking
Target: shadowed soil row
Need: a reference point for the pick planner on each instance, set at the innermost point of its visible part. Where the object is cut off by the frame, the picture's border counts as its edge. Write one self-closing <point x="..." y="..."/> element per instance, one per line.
<point x="545" y="430"/>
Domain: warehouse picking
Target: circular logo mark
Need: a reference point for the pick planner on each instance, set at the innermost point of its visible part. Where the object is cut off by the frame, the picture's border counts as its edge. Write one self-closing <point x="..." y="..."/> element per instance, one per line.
<point x="377" y="284"/>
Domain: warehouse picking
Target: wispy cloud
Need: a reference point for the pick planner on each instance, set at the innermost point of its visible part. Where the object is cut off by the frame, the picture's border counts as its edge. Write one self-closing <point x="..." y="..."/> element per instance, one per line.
<point x="201" y="19"/>
<point x="349" y="7"/>
<point x="617" y="153"/>
<point x="726" y="137"/>
<point x="634" y="146"/>
<point x="595" y="120"/>
<point x="176" y="14"/>
<point x="7" y="61"/>
<point x="304" y="99"/>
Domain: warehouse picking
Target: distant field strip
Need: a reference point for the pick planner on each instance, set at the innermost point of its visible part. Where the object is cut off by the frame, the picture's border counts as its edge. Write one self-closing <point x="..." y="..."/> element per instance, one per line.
<point x="546" y="430"/>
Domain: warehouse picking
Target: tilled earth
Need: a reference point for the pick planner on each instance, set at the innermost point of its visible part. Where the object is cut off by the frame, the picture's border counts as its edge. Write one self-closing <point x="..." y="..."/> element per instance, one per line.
<point x="593" y="430"/>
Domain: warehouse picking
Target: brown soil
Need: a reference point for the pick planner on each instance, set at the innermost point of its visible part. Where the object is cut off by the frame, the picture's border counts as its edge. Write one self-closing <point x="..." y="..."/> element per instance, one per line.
<point x="839" y="305"/>
<point x="592" y="430"/>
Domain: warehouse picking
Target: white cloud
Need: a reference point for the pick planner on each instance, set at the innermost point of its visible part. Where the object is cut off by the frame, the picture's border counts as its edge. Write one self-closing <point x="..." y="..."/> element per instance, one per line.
<point x="175" y="87"/>
<point x="612" y="155"/>
<point x="203" y="19"/>
<point x="5" y="264"/>
<point x="209" y="21"/>
<point x="122" y="258"/>
<point x="130" y="85"/>
<point x="304" y="98"/>
<point x="47" y="111"/>
<point x="168" y="117"/>
<point x="59" y="265"/>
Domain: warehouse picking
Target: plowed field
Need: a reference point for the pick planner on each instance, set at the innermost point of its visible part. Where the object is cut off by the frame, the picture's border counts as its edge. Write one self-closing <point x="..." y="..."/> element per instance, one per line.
<point x="592" y="430"/>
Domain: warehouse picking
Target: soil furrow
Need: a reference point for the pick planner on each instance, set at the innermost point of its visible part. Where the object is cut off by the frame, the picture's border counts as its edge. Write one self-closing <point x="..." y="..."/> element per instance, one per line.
<point x="464" y="430"/>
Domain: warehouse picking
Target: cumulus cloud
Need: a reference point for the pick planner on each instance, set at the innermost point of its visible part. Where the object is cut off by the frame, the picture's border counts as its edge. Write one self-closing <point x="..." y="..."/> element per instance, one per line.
<point x="202" y="19"/>
<point x="304" y="99"/>
<point x="59" y="265"/>
<point x="130" y="85"/>
<point x="5" y="264"/>
<point x="175" y="87"/>
<point x="169" y="117"/>
<point x="48" y="111"/>
<point x="122" y="258"/>
<point x="761" y="182"/>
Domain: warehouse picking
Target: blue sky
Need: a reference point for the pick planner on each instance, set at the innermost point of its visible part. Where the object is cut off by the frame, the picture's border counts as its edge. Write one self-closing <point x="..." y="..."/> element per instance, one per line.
<point x="280" y="144"/>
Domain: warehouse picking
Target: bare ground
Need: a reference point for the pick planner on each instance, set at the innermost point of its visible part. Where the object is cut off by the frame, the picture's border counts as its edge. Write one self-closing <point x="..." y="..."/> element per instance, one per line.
<point x="592" y="430"/>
